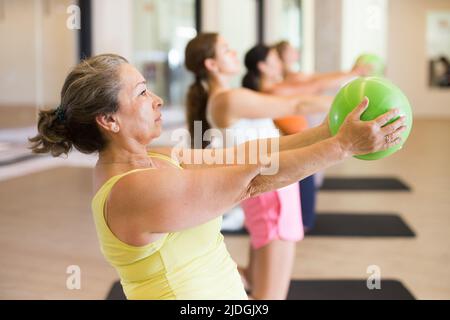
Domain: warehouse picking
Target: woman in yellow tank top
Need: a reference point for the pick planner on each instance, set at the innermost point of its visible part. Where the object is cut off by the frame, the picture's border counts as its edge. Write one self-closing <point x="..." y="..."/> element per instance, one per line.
<point x="158" y="217"/>
<point x="174" y="266"/>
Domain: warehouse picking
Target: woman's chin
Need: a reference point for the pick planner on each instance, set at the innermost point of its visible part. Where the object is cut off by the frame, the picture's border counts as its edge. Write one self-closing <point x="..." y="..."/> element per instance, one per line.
<point x="156" y="132"/>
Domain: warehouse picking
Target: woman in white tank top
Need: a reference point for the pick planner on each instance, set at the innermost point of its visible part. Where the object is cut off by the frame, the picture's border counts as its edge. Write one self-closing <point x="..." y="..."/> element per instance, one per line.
<point x="272" y="219"/>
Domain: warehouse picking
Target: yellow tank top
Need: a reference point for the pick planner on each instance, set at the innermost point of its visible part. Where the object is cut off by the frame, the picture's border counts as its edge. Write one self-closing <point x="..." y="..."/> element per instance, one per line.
<point x="189" y="264"/>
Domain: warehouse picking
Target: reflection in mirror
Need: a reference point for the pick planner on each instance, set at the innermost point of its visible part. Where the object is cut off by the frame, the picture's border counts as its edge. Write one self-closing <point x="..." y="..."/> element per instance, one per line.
<point x="438" y="48"/>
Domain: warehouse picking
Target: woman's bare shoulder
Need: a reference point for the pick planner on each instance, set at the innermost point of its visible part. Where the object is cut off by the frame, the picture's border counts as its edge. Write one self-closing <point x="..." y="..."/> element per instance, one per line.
<point x="224" y="97"/>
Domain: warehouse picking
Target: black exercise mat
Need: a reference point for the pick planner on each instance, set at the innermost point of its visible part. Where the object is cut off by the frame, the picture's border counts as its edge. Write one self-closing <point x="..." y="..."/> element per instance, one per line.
<point x="360" y="225"/>
<point x="238" y="232"/>
<point x="347" y="290"/>
<point x="116" y="292"/>
<point x="324" y="290"/>
<point x="353" y="225"/>
<point x="363" y="184"/>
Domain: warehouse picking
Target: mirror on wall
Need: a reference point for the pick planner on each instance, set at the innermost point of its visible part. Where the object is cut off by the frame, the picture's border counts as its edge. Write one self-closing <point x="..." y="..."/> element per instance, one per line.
<point x="161" y="31"/>
<point x="438" y="48"/>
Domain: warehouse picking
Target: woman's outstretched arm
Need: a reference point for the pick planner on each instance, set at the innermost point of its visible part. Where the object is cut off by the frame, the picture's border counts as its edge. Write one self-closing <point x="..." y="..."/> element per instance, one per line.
<point x="169" y="199"/>
<point x="244" y="103"/>
<point x="196" y="158"/>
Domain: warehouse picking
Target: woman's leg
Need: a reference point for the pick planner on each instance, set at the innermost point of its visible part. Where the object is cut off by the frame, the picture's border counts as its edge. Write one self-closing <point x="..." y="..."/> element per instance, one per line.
<point x="269" y="270"/>
<point x="244" y="273"/>
<point x="269" y="217"/>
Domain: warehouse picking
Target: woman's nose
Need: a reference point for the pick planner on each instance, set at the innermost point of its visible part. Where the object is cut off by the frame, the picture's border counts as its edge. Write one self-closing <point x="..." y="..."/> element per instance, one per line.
<point x="159" y="102"/>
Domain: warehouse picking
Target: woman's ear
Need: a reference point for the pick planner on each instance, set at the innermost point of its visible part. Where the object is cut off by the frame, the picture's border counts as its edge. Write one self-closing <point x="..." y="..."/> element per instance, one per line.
<point x="211" y="65"/>
<point x="262" y="67"/>
<point x="108" y="122"/>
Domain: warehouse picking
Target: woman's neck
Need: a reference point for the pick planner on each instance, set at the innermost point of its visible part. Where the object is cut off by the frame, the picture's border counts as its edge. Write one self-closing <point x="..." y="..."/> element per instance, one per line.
<point x="218" y="83"/>
<point x="132" y="155"/>
<point x="267" y="83"/>
<point x="288" y="70"/>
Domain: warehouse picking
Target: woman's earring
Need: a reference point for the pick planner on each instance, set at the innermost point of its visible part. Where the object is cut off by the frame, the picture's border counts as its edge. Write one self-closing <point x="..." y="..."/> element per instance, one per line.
<point x="115" y="129"/>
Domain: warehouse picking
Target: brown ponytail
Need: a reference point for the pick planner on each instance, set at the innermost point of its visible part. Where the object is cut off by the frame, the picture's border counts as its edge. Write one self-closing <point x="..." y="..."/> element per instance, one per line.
<point x="90" y="89"/>
<point x="199" y="49"/>
<point x="52" y="137"/>
<point x="252" y="58"/>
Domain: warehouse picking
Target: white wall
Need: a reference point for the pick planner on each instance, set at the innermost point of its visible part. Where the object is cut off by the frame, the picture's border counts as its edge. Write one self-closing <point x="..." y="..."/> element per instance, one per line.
<point x="36" y="53"/>
<point x="438" y="42"/>
<point x="364" y="29"/>
<point x="210" y="15"/>
<point x="407" y="56"/>
<point x="17" y="56"/>
<point x="235" y="20"/>
<point x="112" y="27"/>
<point x="38" y="50"/>
<point x="274" y="28"/>
<point x="308" y="23"/>
<point x="327" y="35"/>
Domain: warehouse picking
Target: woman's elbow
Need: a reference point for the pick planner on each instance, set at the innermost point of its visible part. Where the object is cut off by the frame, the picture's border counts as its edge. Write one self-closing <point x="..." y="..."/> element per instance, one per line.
<point x="257" y="185"/>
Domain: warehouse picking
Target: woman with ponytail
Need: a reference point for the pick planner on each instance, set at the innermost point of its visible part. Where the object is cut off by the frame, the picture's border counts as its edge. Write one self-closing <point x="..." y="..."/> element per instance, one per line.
<point x="263" y="63"/>
<point x="268" y="73"/>
<point x="272" y="219"/>
<point x="197" y="96"/>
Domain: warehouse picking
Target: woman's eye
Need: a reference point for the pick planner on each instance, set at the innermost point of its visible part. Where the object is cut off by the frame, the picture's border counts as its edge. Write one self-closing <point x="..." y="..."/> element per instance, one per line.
<point x="144" y="92"/>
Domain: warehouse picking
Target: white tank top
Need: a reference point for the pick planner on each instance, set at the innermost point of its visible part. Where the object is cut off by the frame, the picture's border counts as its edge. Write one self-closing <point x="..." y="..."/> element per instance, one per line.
<point x="239" y="132"/>
<point x="242" y="130"/>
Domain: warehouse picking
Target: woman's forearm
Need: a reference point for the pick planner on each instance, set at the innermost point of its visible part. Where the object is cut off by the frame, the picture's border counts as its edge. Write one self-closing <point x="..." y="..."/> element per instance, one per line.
<point x="296" y="164"/>
<point x="284" y="143"/>
<point x="198" y="158"/>
<point x="313" y="104"/>
<point x="354" y="137"/>
<point x="304" y="138"/>
<point x="333" y="80"/>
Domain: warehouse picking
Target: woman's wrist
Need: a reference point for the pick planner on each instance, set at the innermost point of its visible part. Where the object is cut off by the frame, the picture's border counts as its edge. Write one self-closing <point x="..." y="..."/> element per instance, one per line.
<point x="325" y="130"/>
<point x="344" y="146"/>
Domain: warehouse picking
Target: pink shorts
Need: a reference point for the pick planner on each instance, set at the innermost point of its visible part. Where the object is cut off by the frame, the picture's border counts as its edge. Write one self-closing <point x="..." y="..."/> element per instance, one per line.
<point x="274" y="215"/>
